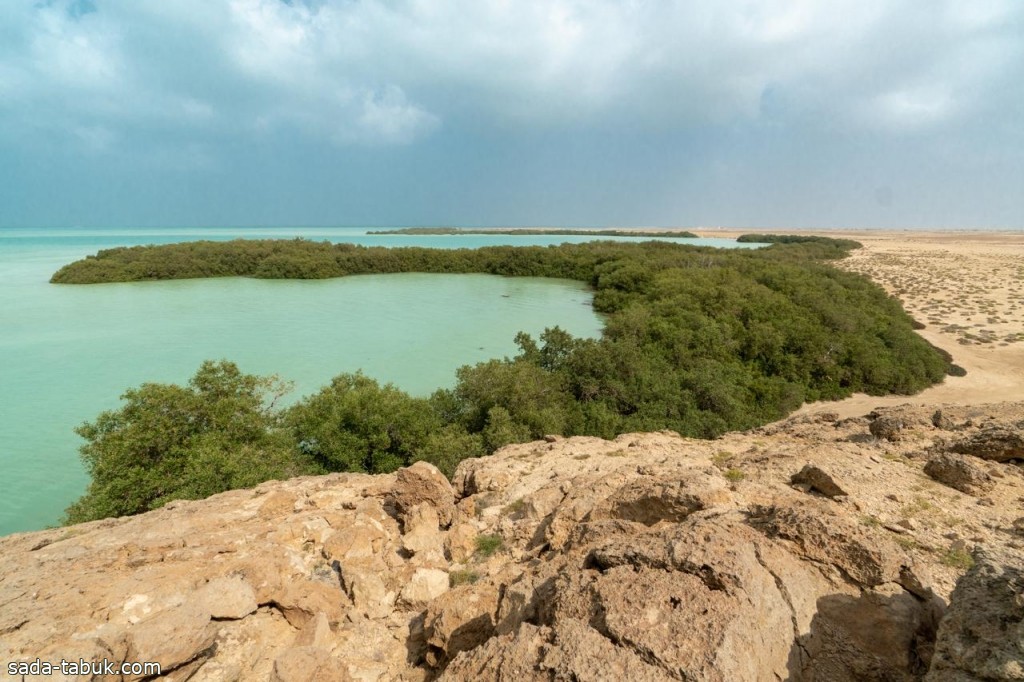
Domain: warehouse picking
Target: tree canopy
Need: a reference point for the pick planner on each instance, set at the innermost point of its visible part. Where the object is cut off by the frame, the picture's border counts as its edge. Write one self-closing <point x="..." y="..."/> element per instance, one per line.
<point x="696" y="340"/>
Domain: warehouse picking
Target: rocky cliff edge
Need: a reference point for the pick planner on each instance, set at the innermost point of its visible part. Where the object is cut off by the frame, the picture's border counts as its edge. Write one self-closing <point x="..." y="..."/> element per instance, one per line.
<point x="811" y="549"/>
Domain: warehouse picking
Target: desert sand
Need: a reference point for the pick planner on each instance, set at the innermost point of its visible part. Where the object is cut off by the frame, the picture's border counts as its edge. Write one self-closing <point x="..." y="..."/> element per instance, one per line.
<point x="966" y="287"/>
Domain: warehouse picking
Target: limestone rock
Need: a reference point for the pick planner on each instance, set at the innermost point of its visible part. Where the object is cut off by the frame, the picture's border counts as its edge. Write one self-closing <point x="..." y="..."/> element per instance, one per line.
<point x="996" y="442"/>
<point x="423" y="482"/>
<point x="308" y="664"/>
<point x="958" y="472"/>
<point x="941" y="421"/>
<point x="818" y="480"/>
<point x="173" y="637"/>
<point x="422" y="536"/>
<point x="460" y="620"/>
<point x="228" y="597"/>
<point x="572" y="651"/>
<point x="982" y="635"/>
<point x="460" y="542"/>
<point x="888" y="426"/>
<point x="426" y="584"/>
<point x="630" y="558"/>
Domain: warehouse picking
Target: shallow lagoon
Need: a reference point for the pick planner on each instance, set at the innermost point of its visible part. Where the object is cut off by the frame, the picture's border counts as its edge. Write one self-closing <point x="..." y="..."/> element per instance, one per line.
<point x="67" y="352"/>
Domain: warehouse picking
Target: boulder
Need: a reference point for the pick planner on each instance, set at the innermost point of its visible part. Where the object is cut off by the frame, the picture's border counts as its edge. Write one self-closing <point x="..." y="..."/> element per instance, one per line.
<point x="817" y="480"/>
<point x="460" y="620"/>
<point x="996" y="442"/>
<point x="307" y="664"/>
<point x="959" y="473"/>
<point x="419" y="483"/>
<point x="426" y="584"/>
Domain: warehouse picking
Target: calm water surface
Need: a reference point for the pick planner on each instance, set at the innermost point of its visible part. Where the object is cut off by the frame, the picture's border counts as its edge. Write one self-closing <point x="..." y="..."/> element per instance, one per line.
<point x="68" y="352"/>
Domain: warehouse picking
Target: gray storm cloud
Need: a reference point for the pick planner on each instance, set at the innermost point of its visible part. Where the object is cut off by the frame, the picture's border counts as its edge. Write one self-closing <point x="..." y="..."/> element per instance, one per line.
<point x="119" y="77"/>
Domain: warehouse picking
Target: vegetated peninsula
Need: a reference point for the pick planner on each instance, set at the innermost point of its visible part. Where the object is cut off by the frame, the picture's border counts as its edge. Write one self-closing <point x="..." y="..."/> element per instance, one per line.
<point x="697" y="340"/>
<point x="534" y="231"/>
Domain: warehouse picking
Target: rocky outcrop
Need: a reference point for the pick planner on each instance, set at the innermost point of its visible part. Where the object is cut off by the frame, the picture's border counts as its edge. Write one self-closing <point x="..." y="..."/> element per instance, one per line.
<point x="649" y="557"/>
<point x="999" y="442"/>
<point x="959" y="473"/>
<point x="982" y="635"/>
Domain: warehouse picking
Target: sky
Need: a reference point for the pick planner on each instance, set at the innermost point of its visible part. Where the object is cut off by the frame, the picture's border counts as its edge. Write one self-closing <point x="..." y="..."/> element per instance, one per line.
<point x="771" y="113"/>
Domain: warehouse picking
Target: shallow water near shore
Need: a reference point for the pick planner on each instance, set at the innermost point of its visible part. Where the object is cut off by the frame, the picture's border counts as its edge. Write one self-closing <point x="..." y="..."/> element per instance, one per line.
<point x="68" y="352"/>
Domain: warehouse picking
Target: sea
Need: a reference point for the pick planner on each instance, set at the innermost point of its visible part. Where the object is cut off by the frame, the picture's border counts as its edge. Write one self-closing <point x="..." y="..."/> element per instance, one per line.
<point x="68" y="352"/>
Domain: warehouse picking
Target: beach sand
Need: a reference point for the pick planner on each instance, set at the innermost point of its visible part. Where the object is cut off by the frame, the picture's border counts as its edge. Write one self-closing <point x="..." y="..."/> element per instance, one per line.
<point x="966" y="287"/>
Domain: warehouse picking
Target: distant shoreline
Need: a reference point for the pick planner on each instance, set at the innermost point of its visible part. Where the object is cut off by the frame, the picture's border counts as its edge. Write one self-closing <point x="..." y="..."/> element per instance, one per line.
<point x="534" y="231"/>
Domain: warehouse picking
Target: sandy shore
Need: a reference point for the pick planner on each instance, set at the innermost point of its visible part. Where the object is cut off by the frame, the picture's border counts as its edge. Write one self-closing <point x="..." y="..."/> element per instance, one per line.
<point x="967" y="287"/>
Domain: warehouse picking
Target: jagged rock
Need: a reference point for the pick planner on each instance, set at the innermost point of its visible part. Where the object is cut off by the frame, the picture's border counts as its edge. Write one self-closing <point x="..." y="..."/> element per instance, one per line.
<point x="625" y="559"/>
<point x="426" y="584"/>
<point x="422" y="536"/>
<point x="822" y="535"/>
<point x="571" y="651"/>
<point x="959" y="473"/>
<point x="996" y="442"/>
<point x="982" y="635"/>
<point x="872" y="636"/>
<point x="423" y="482"/>
<point x="941" y="421"/>
<point x="460" y="542"/>
<point x="817" y="479"/>
<point x="888" y="427"/>
<point x="460" y="620"/>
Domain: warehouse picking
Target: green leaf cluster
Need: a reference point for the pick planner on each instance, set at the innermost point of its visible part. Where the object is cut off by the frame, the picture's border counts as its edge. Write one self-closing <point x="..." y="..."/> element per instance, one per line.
<point x="171" y="442"/>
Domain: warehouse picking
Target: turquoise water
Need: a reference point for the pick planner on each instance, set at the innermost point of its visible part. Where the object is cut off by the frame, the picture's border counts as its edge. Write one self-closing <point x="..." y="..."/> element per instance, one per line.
<point x="68" y="352"/>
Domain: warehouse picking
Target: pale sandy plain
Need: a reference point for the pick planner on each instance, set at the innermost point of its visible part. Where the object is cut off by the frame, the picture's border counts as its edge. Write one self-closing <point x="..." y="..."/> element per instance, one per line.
<point x="966" y="287"/>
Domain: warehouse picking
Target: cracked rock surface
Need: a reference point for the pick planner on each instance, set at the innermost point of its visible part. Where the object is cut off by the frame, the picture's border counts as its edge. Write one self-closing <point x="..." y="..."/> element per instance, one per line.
<point x="649" y="557"/>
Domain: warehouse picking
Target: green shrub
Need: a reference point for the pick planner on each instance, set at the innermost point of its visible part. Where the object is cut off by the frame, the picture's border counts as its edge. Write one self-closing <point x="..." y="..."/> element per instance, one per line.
<point x="488" y="545"/>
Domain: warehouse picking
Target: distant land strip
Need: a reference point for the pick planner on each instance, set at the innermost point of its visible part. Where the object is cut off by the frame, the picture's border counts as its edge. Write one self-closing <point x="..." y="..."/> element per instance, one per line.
<point x="527" y="232"/>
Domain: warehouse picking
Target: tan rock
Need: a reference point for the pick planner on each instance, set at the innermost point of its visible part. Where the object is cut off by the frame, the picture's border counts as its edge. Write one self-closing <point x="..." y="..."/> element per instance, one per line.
<point x="982" y="635"/>
<point x="173" y="637"/>
<point x="959" y="473"/>
<point x="365" y="587"/>
<point x="622" y="559"/>
<point x="362" y="540"/>
<point x="459" y="620"/>
<point x="315" y="633"/>
<point x="818" y="480"/>
<point x="423" y="482"/>
<point x="228" y="597"/>
<point x="999" y="442"/>
<point x="308" y="664"/>
<point x="422" y="535"/>
<point x="460" y="542"/>
<point x="426" y="584"/>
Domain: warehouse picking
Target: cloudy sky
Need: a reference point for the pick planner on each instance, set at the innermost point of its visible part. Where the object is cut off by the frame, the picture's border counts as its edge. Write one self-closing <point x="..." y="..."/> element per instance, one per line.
<point x="877" y="113"/>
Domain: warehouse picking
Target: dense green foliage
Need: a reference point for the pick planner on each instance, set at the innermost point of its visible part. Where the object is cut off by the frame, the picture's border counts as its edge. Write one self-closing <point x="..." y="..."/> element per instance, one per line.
<point x="171" y="442"/>
<point x="527" y="231"/>
<point x="696" y="340"/>
<point x="796" y="239"/>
